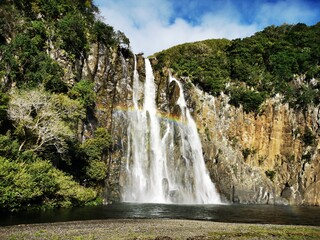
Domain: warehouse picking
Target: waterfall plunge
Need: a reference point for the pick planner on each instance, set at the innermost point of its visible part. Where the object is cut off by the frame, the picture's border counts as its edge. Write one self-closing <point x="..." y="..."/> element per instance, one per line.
<point x="164" y="158"/>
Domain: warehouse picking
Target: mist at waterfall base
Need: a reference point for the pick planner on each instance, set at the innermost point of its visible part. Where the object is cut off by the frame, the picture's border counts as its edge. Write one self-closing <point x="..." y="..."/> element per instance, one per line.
<point x="164" y="161"/>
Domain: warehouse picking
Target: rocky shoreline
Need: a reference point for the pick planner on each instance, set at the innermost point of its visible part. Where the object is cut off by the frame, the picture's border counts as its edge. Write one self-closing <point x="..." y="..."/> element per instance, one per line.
<point x="160" y="229"/>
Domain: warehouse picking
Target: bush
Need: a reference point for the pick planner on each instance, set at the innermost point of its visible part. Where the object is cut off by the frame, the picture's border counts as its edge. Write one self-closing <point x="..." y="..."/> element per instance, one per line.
<point x="267" y="62"/>
<point x="84" y="92"/>
<point x="9" y="147"/>
<point x="72" y="31"/>
<point x="250" y="100"/>
<point x="38" y="185"/>
<point x="96" y="170"/>
<point x="94" y="153"/>
<point x="270" y="174"/>
<point x="308" y="137"/>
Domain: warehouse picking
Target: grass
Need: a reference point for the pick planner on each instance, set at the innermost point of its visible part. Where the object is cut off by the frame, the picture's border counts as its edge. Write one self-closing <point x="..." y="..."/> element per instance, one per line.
<point x="267" y="232"/>
<point x="155" y="229"/>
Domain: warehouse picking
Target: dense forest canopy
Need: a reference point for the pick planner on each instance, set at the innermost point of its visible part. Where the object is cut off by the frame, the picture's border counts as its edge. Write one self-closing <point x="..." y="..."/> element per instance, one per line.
<point x="278" y="60"/>
<point x="44" y="161"/>
<point x="45" y="100"/>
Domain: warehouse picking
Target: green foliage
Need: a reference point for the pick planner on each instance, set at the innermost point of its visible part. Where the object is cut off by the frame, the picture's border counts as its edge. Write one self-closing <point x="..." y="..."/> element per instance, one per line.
<point x="308" y="137"/>
<point x="54" y="9"/>
<point x="42" y="44"/>
<point x="27" y="66"/>
<point x="84" y="92"/>
<point x="205" y="62"/>
<point x="98" y="145"/>
<point x="94" y="153"/>
<point x="70" y="110"/>
<point x="95" y="147"/>
<point x="265" y="64"/>
<point x="270" y="174"/>
<point x="4" y="100"/>
<point x="38" y="184"/>
<point x="72" y="31"/>
<point x="96" y="170"/>
<point x="103" y="33"/>
<point x="250" y="100"/>
<point x="9" y="147"/>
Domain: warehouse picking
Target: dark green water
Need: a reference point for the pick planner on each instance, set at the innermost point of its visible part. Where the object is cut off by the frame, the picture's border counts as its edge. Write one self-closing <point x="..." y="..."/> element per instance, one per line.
<point x="263" y="214"/>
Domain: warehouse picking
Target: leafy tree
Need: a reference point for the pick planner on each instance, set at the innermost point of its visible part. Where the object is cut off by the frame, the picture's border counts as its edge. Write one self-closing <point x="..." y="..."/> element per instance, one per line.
<point x="84" y="92"/>
<point x="95" y="151"/>
<point x="29" y="67"/>
<point x="4" y="100"/>
<point x="73" y="33"/>
<point x="250" y="100"/>
<point x="37" y="121"/>
<point x="38" y="184"/>
<point x="97" y="147"/>
<point x="9" y="147"/>
<point x="103" y="33"/>
<point x="104" y="37"/>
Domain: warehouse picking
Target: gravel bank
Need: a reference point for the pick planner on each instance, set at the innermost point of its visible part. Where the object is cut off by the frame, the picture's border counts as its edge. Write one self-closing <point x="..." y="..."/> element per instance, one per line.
<point x="160" y="229"/>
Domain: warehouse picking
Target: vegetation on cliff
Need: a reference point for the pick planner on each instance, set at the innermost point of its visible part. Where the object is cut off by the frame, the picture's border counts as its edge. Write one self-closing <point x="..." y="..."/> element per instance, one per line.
<point x="278" y="60"/>
<point x="45" y="100"/>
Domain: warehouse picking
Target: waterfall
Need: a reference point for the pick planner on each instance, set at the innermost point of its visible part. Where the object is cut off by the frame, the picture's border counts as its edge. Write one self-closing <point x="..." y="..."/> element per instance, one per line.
<point x="164" y="161"/>
<point x="203" y="190"/>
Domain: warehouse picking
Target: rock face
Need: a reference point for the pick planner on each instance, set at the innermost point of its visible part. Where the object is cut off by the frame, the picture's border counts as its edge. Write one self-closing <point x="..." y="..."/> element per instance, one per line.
<point x="270" y="157"/>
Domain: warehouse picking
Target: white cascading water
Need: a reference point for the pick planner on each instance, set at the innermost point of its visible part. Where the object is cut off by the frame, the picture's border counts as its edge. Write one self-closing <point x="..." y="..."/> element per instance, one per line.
<point x="164" y="158"/>
<point x="204" y="189"/>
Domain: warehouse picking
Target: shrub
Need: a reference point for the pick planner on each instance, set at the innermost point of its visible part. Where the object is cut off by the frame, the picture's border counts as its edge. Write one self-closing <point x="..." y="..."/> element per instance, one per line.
<point x="250" y="100"/>
<point x="84" y="92"/>
<point x="308" y="137"/>
<point x="39" y="185"/>
<point x="270" y="174"/>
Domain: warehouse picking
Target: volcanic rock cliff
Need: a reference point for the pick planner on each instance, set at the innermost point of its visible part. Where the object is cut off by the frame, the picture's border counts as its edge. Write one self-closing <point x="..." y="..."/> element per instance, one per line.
<point x="270" y="157"/>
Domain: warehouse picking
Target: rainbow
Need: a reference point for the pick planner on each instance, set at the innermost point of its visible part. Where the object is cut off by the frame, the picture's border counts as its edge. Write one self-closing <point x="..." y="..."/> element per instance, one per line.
<point x="161" y="115"/>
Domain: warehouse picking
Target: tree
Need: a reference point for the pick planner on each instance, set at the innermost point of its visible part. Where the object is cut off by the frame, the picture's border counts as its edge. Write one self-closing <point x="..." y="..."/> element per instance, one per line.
<point x="250" y="100"/>
<point x="25" y="65"/>
<point x="104" y="37"/>
<point x="38" y="184"/>
<point x="84" y="92"/>
<point x="38" y="120"/>
<point x="73" y="33"/>
<point x="4" y="99"/>
<point x="95" y="150"/>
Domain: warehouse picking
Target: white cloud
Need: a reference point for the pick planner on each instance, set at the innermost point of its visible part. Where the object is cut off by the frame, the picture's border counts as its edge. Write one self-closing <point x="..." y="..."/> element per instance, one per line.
<point x="284" y="11"/>
<point x="152" y="25"/>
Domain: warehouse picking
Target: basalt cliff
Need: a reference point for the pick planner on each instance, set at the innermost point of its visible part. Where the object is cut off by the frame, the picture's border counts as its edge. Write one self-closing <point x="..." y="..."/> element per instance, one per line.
<point x="270" y="157"/>
<point x="264" y="153"/>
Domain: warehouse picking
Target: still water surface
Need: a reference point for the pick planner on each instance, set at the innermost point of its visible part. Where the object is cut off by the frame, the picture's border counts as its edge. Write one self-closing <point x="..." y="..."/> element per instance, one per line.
<point x="263" y="214"/>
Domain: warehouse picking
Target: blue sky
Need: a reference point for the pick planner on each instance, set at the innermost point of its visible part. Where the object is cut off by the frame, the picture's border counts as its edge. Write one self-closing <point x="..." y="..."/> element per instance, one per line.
<point x="154" y="25"/>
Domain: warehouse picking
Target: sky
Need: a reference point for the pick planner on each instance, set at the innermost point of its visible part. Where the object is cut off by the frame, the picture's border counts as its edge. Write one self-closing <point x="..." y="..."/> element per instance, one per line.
<point x="155" y="25"/>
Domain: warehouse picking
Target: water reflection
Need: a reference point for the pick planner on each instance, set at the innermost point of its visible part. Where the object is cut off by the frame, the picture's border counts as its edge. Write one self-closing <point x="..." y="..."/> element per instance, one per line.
<point x="295" y="215"/>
